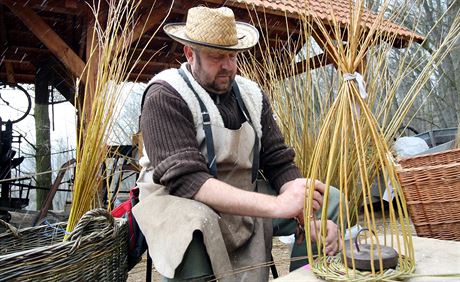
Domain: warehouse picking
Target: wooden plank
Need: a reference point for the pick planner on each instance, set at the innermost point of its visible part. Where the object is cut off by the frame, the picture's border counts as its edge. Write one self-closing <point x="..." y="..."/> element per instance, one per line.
<point x="48" y="202"/>
<point x="324" y="44"/>
<point x="4" y="43"/>
<point x="23" y="78"/>
<point x="148" y="22"/>
<point x="173" y="48"/>
<point x="432" y="256"/>
<point x="315" y="62"/>
<point x="68" y="7"/>
<point x="301" y="67"/>
<point x="92" y="59"/>
<point x="47" y="36"/>
<point x="9" y="73"/>
<point x="70" y="4"/>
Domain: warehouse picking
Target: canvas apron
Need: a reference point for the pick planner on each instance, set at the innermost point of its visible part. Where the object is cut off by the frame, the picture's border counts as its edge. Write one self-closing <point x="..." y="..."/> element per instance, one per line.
<point x="232" y="242"/>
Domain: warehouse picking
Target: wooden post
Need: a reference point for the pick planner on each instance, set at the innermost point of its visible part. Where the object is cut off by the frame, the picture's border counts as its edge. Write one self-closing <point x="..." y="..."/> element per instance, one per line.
<point x="4" y="43"/>
<point x="42" y="133"/>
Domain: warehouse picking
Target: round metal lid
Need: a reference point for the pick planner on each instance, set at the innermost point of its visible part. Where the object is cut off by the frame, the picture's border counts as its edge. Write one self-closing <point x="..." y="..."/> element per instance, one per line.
<point x="362" y="255"/>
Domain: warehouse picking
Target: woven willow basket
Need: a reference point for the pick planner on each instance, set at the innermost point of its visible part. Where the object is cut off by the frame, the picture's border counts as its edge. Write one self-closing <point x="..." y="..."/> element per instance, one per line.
<point x="95" y="251"/>
<point x="431" y="185"/>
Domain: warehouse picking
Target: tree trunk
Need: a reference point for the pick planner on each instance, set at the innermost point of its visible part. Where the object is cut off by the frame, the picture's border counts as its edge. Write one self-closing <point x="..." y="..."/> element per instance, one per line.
<point x="42" y="132"/>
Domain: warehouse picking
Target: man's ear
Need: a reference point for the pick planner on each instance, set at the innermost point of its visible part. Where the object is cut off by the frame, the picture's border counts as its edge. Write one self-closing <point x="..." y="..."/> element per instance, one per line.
<point x="188" y="54"/>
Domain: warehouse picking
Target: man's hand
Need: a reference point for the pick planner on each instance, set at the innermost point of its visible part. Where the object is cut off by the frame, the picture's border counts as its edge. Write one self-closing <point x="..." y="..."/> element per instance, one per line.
<point x="292" y="197"/>
<point x="290" y="203"/>
<point x="332" y="238"/>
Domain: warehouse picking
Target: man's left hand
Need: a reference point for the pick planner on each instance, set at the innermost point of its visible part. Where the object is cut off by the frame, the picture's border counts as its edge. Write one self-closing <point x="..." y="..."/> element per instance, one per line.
<point x="332" y="238"/>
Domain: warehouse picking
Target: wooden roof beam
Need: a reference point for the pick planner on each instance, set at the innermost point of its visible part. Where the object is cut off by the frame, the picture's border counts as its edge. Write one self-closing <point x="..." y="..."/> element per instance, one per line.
<point x="314" y="62"/>
<point x="23" y="78"/>
<point x="47" y="36"/>
<point x="68" y="7"/>
<point x="157" y="14"/>
<point x="324" y="44"/>
<point x="16" y="52"/>
<point x="9" y="73"/>
<point x="4" y="43"/>
<point x="174" y="45"/>
<point x="149" y="21"/>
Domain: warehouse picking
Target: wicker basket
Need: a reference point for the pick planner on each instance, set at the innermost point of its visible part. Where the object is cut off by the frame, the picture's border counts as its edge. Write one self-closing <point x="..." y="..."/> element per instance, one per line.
<point x="95" y="251"/>
<point x="431" y="186"/>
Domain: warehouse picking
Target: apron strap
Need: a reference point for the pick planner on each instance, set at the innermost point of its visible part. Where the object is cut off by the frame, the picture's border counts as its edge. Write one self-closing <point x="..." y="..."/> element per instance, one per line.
<point x="255" y="155"/>
<point x="206" y="127"/>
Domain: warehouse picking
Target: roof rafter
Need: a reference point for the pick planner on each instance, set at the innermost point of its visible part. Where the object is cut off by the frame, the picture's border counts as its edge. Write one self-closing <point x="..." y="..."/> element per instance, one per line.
<point x="47" y="36"/>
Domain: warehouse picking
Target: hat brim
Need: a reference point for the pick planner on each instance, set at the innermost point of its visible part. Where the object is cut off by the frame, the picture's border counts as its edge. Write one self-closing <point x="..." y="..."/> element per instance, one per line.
<point x="248" y="36"/>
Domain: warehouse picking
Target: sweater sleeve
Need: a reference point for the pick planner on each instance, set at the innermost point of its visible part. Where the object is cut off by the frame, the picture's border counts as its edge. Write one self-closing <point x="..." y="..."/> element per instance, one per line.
<point x="276" y="159"/>
<point x="169" y="136"/>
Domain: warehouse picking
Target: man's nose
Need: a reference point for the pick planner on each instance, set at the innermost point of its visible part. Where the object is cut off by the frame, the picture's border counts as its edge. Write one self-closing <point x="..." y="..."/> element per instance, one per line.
<point x="227" y="63"/>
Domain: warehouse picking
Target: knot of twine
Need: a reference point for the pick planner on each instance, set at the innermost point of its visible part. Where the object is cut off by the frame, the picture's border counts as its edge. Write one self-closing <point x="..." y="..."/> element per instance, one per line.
<point x="360" y="80"/>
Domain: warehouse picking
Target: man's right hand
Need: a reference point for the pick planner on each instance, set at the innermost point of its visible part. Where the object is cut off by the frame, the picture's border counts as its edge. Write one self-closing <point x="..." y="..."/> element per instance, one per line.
<point x="292" y="198"/>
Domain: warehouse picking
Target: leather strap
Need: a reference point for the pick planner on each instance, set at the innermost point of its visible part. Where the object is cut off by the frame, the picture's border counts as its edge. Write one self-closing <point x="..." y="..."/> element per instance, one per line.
<point x="255" y="155"/>
<point x="212" y="166"/>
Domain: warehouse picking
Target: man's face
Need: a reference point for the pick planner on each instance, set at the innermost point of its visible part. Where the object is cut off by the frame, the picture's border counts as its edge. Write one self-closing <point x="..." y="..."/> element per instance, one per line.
<point x="214" y="71"/>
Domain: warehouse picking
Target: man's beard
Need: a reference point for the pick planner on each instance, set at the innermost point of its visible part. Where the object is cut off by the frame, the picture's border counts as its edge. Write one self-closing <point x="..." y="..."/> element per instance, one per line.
<point x="212" y="85"/>
<point x="216" y="87"/>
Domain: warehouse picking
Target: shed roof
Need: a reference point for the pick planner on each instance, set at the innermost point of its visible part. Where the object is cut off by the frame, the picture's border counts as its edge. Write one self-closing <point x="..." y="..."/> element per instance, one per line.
<point x="23" y="52"/>
<point x="325" y="10"/>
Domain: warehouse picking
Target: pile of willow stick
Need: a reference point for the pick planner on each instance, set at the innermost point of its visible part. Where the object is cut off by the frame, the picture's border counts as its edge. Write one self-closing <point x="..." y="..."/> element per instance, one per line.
<point x="110" y="63"/>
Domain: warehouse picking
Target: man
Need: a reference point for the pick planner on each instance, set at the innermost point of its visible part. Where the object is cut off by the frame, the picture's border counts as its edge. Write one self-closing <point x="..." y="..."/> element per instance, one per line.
<point x="206" y="133"/>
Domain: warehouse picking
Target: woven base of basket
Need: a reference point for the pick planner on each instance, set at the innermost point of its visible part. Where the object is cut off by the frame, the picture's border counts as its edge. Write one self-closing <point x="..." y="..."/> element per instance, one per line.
<point x="333" y="269"/>
<point x="431" y="186"/>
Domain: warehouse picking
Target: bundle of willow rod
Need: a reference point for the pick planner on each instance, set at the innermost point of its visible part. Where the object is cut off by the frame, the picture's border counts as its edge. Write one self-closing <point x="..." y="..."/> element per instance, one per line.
<point x="355" y="152"/>
<point x="110" y="64"/>
<point x="351" y="133"/>
<point x="301" y="94"/>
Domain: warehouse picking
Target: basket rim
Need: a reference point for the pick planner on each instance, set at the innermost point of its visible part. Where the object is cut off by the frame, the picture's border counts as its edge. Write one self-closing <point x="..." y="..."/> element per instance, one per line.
<point x="400" y="168"/>
<point x="441" y="201"/>
<point x="425" y="155"/>
<point x="60" y="243"/>
<point x="436" y="223"/>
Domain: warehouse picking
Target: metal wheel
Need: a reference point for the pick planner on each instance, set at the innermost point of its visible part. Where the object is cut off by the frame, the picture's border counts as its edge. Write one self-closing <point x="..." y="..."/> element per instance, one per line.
<point x="15" y="102"/>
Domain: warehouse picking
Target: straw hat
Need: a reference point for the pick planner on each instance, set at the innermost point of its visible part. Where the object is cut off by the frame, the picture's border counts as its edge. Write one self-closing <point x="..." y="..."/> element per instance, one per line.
<point x="215" y="29"/>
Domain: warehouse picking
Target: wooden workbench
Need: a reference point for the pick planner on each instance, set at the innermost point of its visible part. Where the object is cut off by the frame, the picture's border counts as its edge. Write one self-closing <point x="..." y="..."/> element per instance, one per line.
<point x="432" y="256"/>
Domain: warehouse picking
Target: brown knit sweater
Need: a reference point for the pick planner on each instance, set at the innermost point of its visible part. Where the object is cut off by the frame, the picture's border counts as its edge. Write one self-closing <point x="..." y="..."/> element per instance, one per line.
<point x="170" y="141"/>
